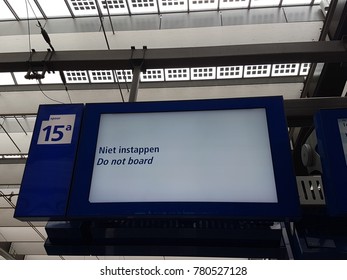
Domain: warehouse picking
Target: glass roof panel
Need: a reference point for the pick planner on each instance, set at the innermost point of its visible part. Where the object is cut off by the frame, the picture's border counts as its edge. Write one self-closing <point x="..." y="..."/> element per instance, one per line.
<point x="265" y="3"/>
<point x="233" y="4"/>
<point x="296" y="2"/>
<point x="83" y="7"/>
<point x="166" y="6"/>
<point x="177" y="74"/>
<point x="20" y="8"/>
<point x="229" y="72"/>
<point x="203" y="73"/>
<point x="54" y="8"/>
<point x="21" y="80"/>
<point x="76" y="77"/>
<point x="116" y="7"/>
<point x="52" y="78"/>
<point x="152" y="75"/>
<point x="202" y="5"/>
<point x="143" y="6"/>
<point x="6" y="79"/>
<point x="5" y="13"/>
<point x="285" y="69"/>
<point x="101" y="76"/>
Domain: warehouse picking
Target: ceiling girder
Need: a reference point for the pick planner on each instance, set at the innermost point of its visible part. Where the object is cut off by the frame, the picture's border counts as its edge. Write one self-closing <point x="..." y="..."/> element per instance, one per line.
<point x="331" y="51"/>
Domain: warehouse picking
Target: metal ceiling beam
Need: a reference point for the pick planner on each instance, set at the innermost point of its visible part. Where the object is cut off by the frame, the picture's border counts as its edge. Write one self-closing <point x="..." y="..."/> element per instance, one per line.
<point x="331" y="51"/>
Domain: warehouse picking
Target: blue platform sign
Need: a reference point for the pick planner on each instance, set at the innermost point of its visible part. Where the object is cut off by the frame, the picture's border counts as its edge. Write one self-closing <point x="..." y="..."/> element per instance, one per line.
<point x="48" y="173"/>
<point x="331" y="129"/>
<point x="198" y="158"/>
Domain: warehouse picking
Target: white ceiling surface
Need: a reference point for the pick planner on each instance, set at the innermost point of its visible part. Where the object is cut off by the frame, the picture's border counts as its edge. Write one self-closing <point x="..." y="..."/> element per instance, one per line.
<point x="28" y="241"/>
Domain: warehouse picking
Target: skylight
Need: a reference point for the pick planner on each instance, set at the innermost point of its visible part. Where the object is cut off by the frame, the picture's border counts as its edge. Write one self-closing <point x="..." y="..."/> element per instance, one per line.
<point x="201" y="5"/>
<point x="76" y="77"/>
<point x="203" y="73"/>
<point x="173" y="6"/>
<point x="124" y="76"/>
<point x="256" y="71"/>
<point x="115" y="7"/>
<point x="177" y="74"/>
<point x="83" y="7"/>
<point x="52" y="78"/>
<point x="5" y="13"/>
<point x="6" y="79"/>
<point x="20" y="7"/>
<point x="229" y="72"/>
<point x="21" y="80"/>
<point x="233" y="4"/>
<point x="296" y="2"/>
<point x="265" y="3"/>
<point x="285" y="69"/>
<point x="101" y="76"/>
<point x="143" y="6"/>
<point x="153" y="75"/>
<point x="305" y="67"/>
<point x="54" y="8"/>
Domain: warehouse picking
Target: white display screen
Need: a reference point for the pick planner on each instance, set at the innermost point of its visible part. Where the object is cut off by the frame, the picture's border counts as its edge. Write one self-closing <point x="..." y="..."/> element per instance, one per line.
<point x="186" y="156"/>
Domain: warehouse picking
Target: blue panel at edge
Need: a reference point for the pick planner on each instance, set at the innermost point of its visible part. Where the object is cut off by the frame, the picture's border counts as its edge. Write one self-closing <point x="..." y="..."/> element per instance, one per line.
<point x="333" y="160"/>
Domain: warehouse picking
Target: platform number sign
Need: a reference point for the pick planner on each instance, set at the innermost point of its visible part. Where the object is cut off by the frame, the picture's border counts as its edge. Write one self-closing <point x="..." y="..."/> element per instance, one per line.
<point x="343" y="134"/>
<point x="58" y="129"/>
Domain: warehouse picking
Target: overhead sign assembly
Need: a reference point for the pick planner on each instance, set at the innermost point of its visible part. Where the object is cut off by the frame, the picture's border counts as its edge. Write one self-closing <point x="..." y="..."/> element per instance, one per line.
<point x="203" y="158"/>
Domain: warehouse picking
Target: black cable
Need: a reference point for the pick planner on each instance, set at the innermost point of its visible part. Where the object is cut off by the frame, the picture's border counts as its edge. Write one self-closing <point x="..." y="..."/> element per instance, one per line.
<point x="32" y="9"/>
<point x="120" y="89"/>
<point x="63" y="79"/>
<point x="54" y="100"/>
<point x="68" y="94"/>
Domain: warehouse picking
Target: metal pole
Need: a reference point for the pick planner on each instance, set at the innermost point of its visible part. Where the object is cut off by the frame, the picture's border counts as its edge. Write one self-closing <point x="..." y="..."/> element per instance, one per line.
<point x="135" y="84"/>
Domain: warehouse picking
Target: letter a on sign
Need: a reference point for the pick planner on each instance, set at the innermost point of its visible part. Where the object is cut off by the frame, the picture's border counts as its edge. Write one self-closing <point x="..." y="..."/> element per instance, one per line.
<point x="57" y="130"/>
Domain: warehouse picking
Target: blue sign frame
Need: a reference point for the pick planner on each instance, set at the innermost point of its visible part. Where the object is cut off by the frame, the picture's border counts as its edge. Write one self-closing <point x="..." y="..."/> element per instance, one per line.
<point x="333" y="159"/>
<point x="48" y="173"/>
<point x="288" y="199"/>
